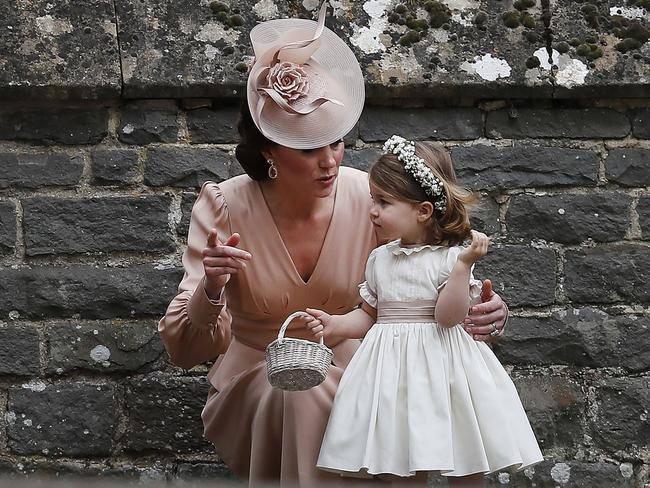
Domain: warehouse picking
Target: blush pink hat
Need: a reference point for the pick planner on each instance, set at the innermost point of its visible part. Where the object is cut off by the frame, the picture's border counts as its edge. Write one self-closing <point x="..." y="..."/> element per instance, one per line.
<point x="305" y="88"/>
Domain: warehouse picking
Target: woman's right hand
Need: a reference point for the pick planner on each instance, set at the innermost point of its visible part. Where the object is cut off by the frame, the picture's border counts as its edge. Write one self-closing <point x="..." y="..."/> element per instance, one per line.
<point x="220" y="261"/>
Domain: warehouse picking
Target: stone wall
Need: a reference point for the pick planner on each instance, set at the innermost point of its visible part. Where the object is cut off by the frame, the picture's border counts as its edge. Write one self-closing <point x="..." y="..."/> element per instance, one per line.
<point x="113" y="114"/>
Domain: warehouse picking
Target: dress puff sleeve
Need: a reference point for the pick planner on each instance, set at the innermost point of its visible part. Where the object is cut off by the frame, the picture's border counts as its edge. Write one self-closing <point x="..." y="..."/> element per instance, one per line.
<point x="448" y="261"/>
<point x="196" y="329"/>
<point x="368" y="289"/>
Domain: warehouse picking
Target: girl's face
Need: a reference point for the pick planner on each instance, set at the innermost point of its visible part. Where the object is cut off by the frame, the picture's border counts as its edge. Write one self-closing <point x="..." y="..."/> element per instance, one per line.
<point x="312" y="171"/>
<point x="398" y="219"/>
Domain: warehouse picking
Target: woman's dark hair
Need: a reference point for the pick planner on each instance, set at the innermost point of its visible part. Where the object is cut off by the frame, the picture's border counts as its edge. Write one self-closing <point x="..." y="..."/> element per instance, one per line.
<point x="449" y="228"/>
<point x="251" y="144"/>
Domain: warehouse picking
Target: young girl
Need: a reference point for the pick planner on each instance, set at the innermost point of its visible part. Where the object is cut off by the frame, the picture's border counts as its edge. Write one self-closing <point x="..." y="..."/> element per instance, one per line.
<point x="420" y="394"/>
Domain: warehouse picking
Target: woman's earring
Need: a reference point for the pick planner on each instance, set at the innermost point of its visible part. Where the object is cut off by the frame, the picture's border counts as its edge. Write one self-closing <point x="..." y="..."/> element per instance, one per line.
<point x="273" y="171"/>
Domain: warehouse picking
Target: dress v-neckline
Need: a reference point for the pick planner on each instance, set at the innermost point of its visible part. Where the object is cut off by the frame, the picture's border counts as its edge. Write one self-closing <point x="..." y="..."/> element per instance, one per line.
<point x="272" y="223"/>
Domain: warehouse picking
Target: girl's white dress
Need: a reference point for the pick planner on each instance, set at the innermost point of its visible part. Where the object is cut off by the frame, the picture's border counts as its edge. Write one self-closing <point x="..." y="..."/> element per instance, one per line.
<point x="417" y="396"/>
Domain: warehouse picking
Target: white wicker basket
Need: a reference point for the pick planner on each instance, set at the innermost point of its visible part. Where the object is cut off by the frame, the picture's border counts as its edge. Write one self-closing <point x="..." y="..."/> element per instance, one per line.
<point x="296" y="364"/>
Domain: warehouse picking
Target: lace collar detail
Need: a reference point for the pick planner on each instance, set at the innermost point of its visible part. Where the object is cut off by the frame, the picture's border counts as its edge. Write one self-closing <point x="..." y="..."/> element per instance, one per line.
<point x="397" y="248"/>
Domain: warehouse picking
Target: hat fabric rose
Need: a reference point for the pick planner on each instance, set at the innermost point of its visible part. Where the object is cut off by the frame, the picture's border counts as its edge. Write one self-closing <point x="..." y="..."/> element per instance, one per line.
<point x="289" y="80"/>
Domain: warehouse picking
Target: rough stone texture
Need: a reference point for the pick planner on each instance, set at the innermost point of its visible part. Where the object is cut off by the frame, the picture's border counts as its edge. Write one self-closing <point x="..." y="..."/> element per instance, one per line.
<point x="520" y="274"/>
<point x="554" y="405"/>
<point x="156" y="402"/>
<point x="498" y="168"/>
<point x="59" y="50"/>
<point x="583" y="123"/>
<point x="19" y="350"/>
<point x="641" y="123"/>
<point x="7" y="227"/>
<point x="580" y="337"/>
<point x="61" y="420"/>
<point x="87" y="291"/>
<point x="28" y="170"/>
<point x="101" y="224"/>
<point x="361" y="158"/>
<point x="572" y="474"/>
<point x="187" y="202"/>
<point x="185" y="167"/>
<point x="105" y="348"/>
<point x="485" y="216"/>
<point x="54" y="126"/>
<point x="209" y="471"/>
<point x="141" y="125"/>
<point x="569" y="219"/>
<point x="379" y="123"/>
<point x="643" y="210"/>
<point x="608" y="275"/>
<point x="114" y="166"/>
<point x="213" y="125"/>
<point x="629" y="166"/>
<point x="622" y="415"/>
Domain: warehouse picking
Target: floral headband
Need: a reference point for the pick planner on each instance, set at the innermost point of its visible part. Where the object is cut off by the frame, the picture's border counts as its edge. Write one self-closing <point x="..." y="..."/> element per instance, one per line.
<point x="415" y="165"/>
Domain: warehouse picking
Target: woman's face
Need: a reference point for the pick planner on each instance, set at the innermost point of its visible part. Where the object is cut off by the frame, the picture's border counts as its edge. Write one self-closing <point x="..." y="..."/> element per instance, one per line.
<point x="312" y="171"/>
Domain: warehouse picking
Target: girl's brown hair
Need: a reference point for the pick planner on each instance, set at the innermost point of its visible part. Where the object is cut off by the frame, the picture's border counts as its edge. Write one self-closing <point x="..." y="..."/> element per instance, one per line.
<point x="449" y="228"/>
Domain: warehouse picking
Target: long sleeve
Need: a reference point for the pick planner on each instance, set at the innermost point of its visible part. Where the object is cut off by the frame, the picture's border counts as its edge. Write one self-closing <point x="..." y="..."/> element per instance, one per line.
<point x="196" y="329"/>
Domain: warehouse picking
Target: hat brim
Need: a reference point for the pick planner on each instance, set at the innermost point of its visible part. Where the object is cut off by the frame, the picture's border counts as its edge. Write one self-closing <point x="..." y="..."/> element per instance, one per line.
<point x="329" y="122"/>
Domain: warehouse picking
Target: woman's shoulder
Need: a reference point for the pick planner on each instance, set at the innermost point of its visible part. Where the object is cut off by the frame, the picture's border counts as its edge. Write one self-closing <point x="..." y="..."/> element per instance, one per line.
<point x="227" y="189"/>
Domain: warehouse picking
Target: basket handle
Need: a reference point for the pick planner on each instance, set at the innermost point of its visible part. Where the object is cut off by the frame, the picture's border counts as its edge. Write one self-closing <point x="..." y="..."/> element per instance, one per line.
<point x="288" y="320"/>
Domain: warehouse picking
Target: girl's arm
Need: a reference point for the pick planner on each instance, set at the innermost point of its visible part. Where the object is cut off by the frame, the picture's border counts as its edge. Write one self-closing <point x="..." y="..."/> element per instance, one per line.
<point x="352" y="325"/>
<point x="453" y="299"/>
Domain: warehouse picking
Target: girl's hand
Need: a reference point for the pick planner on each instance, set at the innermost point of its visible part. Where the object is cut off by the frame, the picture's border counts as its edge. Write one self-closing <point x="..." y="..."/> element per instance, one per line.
<point x="220" y="261"/>
<point x="320" y="324"/>
<point x="476" y="250"/>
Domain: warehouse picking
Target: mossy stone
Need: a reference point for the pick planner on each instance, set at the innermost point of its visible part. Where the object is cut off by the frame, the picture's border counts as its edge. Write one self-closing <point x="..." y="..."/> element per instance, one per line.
<point x="241" y="67"/>
<point x="217" y="7"/>
<point x="628" y="44"/>
<point x="562" y="47"/>
<point x="523" y="4"/>
<point x="533" y="62"/>
<point x="235" y="20"/>
<point x="411" y="37"/>
<point x="480" y="18"/>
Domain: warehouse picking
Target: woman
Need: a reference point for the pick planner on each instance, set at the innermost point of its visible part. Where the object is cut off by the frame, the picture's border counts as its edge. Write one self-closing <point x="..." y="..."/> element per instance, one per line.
<point x="292" y="233"/>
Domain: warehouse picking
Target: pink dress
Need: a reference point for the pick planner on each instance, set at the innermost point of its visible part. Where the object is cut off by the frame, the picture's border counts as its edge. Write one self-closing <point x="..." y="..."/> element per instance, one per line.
<point x="261" y="433"/>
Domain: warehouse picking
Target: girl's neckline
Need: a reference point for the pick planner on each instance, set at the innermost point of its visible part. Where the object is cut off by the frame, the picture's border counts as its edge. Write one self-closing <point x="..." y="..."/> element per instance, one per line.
<point x="397" y="247"/>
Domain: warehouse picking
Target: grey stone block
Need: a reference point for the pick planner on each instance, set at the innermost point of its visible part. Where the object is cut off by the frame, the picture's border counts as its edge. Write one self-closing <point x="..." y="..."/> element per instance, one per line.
<point x="19" y="351"/>
<point x="589" y="123"/>
<point x="621" y="419"/>
<point x="641" y="123"/>
<point x="187" y="202"/>
<point x="7" y="227"/>
<point x="585" y="337"/>
<point x="75" y="419"/>
<point x="485" y="216"/>
<point x="114" y="166"/>
<point x="569" y="219"/>
<point x="608" y="275"/>
<point x="141" y="125"/>
<point x="185" y="166"/>
<point x="213" y="125"/>
<point x="629" y="166"/>
<point x="523" y="276"/>
<point x="521" y="166"/>
<point x="163" y="413"/>
<point x="27" y="170"/>
<point x="555" y="406"/>
<point x="105" y="348"/>
<point x="54" y="126"/>
<point x="53" y="50"/>
<point x="379" y="123"/>
<point x="102" y="224"/>
<point x="87" y="291"/>
<point x="643" y="210"/>
<point x="361" y="158"/>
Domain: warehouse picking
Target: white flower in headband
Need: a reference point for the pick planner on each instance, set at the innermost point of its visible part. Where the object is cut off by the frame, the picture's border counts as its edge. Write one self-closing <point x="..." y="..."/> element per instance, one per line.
<point x="415" y="165"/>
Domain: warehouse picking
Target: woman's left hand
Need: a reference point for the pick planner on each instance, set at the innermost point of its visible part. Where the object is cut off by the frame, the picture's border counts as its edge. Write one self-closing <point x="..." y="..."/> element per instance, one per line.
<point x="487" y="317"/>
